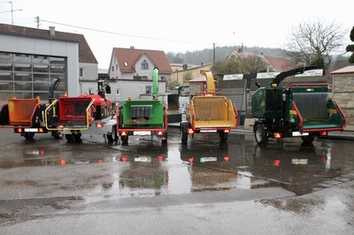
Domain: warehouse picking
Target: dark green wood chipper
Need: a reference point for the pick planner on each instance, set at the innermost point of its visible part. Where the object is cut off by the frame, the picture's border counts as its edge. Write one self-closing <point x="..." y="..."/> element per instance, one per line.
<point x="303" y="110"/>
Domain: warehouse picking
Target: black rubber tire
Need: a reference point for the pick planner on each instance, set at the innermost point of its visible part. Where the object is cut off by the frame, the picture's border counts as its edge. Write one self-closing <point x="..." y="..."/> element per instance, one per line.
<point x="307" y="140"/>
<point x="223" y="136"/>
<point x="77" y="138"/>
<point x="260" y="134"/>
<point x="69" y="138"/>
<point x="184" y="135"/>
<point x="56" y="135"/>
<point x="124" y="140"/>
<point x="110" y="139"/>
<point x="164" y="140"/>
<point x="29" y="136"/>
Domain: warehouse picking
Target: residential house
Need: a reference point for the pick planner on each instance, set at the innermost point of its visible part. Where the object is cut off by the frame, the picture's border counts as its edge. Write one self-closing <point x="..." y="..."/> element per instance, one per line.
<point x="130" y="72"/>
<point x="185" y="74"/>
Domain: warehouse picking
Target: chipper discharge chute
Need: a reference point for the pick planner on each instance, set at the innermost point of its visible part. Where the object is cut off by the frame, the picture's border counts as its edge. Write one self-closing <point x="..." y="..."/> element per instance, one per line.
<point x="209" y="113"/>
<point x="143" y="117"/>
<point x="74" y="115"/>
<point x="25" y="116"/>
<point x="300" y="110"/>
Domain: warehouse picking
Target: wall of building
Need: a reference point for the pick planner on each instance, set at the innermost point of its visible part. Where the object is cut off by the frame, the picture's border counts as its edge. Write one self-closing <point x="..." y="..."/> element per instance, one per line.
<point x="343" y="94"/>
<point x="180" y="74"/>
<point x="133" y="89"/>
<point x="90" y="71"/>
<point x="70" y="50"/>
<point x="87" y="87"/>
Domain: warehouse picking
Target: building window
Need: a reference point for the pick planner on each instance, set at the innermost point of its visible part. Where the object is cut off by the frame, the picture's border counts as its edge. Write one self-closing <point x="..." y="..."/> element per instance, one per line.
<point x="29" y="76"/>
<point x="112" y="68"/>
<point x="144" y="65"/>
<point x="117" y="91"/>
<point x="148" y="90"/>
<point x="162" y="78"/>
<point x="108" y="89"/>
<point x="81" y="72"/>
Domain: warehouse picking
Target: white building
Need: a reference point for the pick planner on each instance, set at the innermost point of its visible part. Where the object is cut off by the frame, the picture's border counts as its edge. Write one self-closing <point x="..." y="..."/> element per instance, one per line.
<point x="30" y="59"/>
<point x="130" y="72"/>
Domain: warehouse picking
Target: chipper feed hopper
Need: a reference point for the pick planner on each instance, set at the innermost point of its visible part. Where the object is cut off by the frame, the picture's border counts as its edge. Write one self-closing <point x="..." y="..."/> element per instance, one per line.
<point x="303" y="110"/>
<point x="143" y="117"/>
<point x="26" y="116"/>
<point x="209" y="113"/>
<point x="74" y="115"/>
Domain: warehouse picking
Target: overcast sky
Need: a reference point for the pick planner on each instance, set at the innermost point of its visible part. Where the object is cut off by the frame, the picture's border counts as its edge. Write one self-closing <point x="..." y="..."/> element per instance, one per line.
<point x="179" y="25"/>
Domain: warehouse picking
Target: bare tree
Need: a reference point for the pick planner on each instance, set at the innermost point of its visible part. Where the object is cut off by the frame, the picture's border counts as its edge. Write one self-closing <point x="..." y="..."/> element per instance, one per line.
<point x="312" y="43"/>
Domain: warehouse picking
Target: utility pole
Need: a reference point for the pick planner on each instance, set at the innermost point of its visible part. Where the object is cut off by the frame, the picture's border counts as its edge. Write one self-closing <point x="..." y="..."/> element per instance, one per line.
<point x="12" y="12"/>
<point x="37" y="21"/>
<point x="213" y="53"/>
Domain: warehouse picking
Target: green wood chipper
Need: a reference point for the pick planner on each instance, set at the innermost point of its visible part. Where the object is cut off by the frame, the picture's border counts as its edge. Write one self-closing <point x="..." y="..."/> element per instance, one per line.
<point x="303" y="110"/>
<point x="143" y="117"/>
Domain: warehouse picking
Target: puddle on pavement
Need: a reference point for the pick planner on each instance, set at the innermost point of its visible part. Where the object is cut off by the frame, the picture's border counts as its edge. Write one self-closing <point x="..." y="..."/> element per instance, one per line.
<point x="147" y="169"/>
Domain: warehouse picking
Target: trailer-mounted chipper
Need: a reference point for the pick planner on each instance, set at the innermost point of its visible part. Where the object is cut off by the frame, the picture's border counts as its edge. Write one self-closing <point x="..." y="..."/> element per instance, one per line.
<point x="26" y="116"/>
<point x="303" y="110"/>
<point x="209" y="113"/>
<point x="74" y="115"/>
<point x="143" y="117"/>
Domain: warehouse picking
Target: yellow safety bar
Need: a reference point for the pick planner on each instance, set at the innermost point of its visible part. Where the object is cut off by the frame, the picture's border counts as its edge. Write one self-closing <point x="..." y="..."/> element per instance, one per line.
<point x="67" y="129"/>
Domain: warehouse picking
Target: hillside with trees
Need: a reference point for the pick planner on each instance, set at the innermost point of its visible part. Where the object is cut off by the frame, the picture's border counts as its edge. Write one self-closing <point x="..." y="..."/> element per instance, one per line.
<point x="205" y="56"/>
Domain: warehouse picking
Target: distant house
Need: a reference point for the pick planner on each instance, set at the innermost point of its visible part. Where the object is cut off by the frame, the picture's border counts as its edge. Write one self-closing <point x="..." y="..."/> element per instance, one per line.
<point x="184" y="75"/>
<point x="130" y="72"/>
<point x="275" y="64"/>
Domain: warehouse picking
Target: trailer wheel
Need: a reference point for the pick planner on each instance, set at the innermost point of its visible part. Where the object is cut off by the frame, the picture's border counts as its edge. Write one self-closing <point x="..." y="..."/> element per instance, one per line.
<point x="164" y="139"/>
<point x="260" y="134"/>
<point x="77" y="138"/>
<point x="184" y="135"/>
<point x="223" y="136"/>
<point x="69" y="138"/>
<point x="124" y="140"/>
<point x="56" y="135"/>
<point x="307" y="140"/>
<point x="29" y="136"/>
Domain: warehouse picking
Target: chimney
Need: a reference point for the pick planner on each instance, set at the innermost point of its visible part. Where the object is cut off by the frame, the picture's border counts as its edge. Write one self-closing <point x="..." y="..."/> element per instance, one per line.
<point x="131" y="47"/>
<point x="51" y="31"/>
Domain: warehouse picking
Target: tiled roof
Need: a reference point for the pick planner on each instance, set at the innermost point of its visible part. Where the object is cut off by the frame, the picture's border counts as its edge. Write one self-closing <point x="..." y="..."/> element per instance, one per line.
<point x="85" y="53"/>
<point x="279" y="64"/>
<point x="127" y="58"/>
<point x="345" y="70"/>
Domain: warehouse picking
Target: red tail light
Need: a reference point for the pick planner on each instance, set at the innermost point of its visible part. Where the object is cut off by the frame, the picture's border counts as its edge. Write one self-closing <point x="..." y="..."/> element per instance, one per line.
<point x="160" y="133"/>
<point x="323" y="133"/>
<point x="191" y="160"/>
<point x="99" y="125"/>
<point x="277" y="135"/>
<point x="190" y="131"/>
<point x="62" y="162"/>
<point x="226" y="158"/>
<point x="123" y="133"/>
<point x="227" y="131"/>
<point x="161" y="158"/>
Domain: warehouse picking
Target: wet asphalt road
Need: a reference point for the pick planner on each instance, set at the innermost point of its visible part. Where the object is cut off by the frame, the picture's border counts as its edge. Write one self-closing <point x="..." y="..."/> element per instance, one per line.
<point x="52" y="187"/>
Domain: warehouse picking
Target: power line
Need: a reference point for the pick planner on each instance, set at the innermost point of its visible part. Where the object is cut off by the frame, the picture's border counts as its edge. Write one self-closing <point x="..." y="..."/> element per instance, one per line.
<point x="112" y="32"/>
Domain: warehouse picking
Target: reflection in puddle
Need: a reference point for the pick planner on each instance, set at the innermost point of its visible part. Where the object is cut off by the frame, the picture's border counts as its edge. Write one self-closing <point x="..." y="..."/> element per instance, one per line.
<point x="149" y="170"/>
